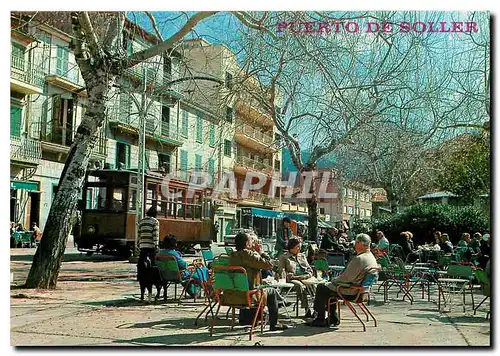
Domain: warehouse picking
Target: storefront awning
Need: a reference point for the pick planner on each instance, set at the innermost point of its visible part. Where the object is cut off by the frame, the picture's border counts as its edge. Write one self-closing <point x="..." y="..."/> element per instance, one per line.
<point x="262" y="213"/>
<point x="297" y="217"/>
<point x="30" y="186"/>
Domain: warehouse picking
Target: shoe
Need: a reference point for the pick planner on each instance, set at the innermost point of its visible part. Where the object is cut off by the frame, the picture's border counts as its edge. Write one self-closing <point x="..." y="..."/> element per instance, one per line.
<point x="278" y="326"/>
<point x="318" y="322"/>
<point x="334" y="322"/>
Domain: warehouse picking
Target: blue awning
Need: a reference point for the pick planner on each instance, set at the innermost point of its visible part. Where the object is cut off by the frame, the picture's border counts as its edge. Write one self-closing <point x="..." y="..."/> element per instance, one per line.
<point x="296" y="216"/>
<point x="262" y="213"/>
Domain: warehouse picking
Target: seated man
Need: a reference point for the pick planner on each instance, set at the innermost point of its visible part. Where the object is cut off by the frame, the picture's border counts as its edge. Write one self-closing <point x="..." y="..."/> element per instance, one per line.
<point x="298" y="272"/>
<point x="250" y="256"/>
<point x="354" y="273"/>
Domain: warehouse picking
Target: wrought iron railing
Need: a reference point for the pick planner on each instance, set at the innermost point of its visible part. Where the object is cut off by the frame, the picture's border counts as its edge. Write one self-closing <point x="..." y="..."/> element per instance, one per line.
<point x="25" y="149"/>
<point x="253" y="164"/>
<point x="254" y="133"/>
<point x="19" y="71"/>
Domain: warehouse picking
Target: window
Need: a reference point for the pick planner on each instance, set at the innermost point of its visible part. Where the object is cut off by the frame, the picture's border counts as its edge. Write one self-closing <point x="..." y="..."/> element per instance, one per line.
<point x="184" y="130"/>
<point x="227" y="148"/>
<point x="277" y="165"/>
<point x="322" y="211"/>
<point x="211" y="170"/>
<point x="125" y="107"/>
<point x="349" y="193"/>
<point x="96" y="198"/>
<point x="229" y="79"/>
<point x="343" y="192"/>
<point x="165" y="121"/>
<point x="367" y="197"/>
<point x="197" y="162"/>
<point x="15" y="120"/>
<point x="345" y="209"/>
<point x="229" y="114"/>
<point x="130" y="46"/>
<point x="211" y="138"/>
<point x="184" y="164"/>
<point x="62" y="61"/>
<point x="17" y="56"/>
<point x="199" y="129"/>
<point x="118" y="199"/>
<point x="350" y="210"/>
<point x="164" y="162"/>
<point x="362" y="211"/>
<point x="368" y="212"/>
<point x="357" y="211"/>
<point x="122" y="154"/>
<point x="167" y="68"/>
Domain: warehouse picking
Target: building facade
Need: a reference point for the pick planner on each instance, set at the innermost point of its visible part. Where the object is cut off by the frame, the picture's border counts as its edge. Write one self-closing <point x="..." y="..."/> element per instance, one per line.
<point x="191" y="125"/>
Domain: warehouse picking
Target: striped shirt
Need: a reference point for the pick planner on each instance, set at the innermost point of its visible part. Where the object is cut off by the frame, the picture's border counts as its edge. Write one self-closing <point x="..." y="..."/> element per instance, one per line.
<point x="149" y="232"/>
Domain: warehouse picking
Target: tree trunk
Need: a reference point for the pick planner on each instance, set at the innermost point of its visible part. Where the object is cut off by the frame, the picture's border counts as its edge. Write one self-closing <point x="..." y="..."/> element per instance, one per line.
<point x="48" y="257"/>
<point x="312" y="210"/>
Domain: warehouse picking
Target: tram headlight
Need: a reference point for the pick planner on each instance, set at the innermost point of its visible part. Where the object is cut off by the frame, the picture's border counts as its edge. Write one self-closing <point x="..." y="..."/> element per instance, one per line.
<point x="91" y="229"/>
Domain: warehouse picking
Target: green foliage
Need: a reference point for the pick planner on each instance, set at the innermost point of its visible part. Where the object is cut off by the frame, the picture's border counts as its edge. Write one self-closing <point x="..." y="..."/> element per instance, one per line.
<point x="362" y="226"/>
<point x="467" y="171"/>
<point x="423" y="219"/>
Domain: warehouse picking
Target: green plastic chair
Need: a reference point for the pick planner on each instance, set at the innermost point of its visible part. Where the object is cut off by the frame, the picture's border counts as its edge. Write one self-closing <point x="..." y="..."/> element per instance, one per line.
<point x="221" y="260"/>
<point x="463" y="272"/>
<point x="235" y="279"/>
<point x="169" y="269"/>
<point x="482" y="277"/>
<point x="229" y="250"/>
<point x="208" y="257"/>
<point x="321" y="265"/>
<point x="444" y="261"/>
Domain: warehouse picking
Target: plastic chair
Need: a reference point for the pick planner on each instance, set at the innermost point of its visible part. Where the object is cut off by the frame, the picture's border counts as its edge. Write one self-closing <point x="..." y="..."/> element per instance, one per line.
<point x="235" y="279"/>
<point x="171" y="274"/>
<point x="461" y="272"/>
<point x="208" y="257"/>
<point x="321" y="265"/>
<point x="362" y="296"/>
<point x="482" y="277"/>
<point x="228" y="250"/>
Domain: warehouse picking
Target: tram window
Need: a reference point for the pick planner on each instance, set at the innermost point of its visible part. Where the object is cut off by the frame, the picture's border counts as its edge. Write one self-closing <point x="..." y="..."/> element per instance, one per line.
<point x="118" y="199"/>
<point x="101" y="198"/>
<point x="132" y="199"/>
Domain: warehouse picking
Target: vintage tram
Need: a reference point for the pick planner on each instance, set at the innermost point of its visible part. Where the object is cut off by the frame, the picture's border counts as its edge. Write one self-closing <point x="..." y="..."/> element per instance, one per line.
<point x="109" y="211"/>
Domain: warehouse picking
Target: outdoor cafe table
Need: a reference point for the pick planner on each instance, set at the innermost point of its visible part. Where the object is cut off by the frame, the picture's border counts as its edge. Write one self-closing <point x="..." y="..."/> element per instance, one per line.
<point x="282" y="289"/>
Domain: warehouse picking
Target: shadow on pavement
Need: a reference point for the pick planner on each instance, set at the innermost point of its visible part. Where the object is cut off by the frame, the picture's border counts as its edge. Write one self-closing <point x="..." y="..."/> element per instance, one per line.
<point x="70" y="257"/>
<point x="448" y="319"/>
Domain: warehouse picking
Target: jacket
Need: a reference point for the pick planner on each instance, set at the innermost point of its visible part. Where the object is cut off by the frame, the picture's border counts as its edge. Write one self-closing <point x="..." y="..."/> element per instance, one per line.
<point x="289" y="262"/>
<point x="253" y="263"/>
<point x="355" y="271"/>
<point x="282" y="236"/>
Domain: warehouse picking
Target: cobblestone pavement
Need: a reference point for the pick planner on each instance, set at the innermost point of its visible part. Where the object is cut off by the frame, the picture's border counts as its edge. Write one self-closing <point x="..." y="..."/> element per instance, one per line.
<point x="97" y="303"/>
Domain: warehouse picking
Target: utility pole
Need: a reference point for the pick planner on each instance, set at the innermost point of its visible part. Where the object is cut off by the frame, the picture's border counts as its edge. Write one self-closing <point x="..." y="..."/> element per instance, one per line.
<point x="139" y="204"/>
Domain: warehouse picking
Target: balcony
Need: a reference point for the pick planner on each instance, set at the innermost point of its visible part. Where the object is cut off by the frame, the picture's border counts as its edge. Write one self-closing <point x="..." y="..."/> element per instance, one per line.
<point x="155" y="130"/>
<point x="25" y="150"/>
<point x="260" y="199"/>
<point x="155" y="78"/>
<point x="23" y="80"/>
<point x="254" y="137"/>
<point x="244" y="164"/>
<point x="252" y="114"/>
<point x="65" y="75"/>
<point x="59" y="139"/>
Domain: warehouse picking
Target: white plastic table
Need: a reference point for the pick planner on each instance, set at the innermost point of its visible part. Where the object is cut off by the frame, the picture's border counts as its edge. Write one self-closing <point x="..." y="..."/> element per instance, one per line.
<point x="283" y="286"/>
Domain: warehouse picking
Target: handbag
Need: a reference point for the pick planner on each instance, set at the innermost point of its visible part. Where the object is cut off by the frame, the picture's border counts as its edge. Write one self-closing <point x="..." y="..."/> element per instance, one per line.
<point x="247" y="315"/>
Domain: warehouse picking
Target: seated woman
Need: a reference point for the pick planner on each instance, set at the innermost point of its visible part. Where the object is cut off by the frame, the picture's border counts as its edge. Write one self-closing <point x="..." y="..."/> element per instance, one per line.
<point x="201" y="273"/>
<point x="298" y="272"/>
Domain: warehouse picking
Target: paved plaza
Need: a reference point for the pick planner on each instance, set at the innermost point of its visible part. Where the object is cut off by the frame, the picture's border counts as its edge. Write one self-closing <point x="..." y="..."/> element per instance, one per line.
<point x="96" y="303"/>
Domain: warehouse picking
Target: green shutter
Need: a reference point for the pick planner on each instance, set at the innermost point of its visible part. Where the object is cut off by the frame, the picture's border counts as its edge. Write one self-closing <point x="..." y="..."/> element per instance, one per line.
<point x="211" y="166"/>
<point x="184" y="122"/>
<point x="199" y="129"/>
<point x="62" y="61"/>
<point x="184" y="160"/>
<point x="17" y="56"/>
<point x="197" y="162"/>
<point x="15" y="120"/>
<point x="212" y="134"/>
